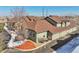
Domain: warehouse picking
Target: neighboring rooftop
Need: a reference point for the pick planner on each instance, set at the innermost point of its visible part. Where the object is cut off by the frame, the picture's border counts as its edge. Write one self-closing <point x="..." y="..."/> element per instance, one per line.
<point x="34" y="23"/>
<point x="59" y="19"/>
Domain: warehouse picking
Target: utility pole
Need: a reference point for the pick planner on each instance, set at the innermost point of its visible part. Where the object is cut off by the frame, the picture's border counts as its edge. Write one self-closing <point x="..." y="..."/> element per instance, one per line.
<point x="43" y="12"/>
<point x="46" y="12"/>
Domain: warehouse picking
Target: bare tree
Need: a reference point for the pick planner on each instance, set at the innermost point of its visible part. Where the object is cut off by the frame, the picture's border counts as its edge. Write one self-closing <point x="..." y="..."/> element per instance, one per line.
<point x="18" y="12"/>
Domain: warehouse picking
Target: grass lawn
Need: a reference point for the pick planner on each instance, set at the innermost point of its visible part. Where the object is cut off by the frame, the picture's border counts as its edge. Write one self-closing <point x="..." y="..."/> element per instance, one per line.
<point x="1" y="27"/>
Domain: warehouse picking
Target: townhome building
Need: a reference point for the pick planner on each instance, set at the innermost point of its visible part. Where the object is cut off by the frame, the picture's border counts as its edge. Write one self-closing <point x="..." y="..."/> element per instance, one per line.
<point x="41" y="29"/>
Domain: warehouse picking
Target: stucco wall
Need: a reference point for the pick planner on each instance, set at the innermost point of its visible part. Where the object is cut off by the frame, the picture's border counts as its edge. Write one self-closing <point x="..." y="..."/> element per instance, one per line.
<point x="55" y="36"/>
<point x="58" y="25"/>
<point x="41" y="35"/>
<point x="62" y="34"/>
<point x="63" y="24"/>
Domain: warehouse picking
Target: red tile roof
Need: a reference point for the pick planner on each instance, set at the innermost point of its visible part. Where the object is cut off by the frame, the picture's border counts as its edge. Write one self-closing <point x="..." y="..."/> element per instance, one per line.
<point x="58" y="19"/>
<point x="43" y="25"/>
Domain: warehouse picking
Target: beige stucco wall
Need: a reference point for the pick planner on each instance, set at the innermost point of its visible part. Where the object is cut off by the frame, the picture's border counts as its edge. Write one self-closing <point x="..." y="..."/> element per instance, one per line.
<point x="58" y="25"/>
<point x="54" y="36"/>
<point x="62" y="34"/>
<point x="63" y="24"/>
<point x="41" y="35"/>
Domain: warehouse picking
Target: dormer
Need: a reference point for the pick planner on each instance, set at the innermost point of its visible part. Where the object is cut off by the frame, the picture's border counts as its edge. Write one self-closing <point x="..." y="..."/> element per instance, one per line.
<point x="54" y="21"/>
<point x="57" y="21"/>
